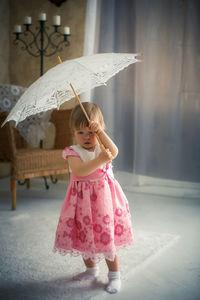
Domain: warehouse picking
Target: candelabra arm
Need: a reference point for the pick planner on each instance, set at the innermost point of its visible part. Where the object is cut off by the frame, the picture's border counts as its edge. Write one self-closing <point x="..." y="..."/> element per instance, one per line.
<point x="25" y="47"/>
<point x="48" y="39"/>
<point x="54" y="33"/>
<point x="52" y="44"/>
<point x="35" y="41"/>
<point x="58" y="48"/>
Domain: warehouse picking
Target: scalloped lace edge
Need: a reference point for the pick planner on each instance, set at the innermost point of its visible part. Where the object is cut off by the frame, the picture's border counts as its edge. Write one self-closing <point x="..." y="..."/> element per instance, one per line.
<point x="95" y="257"/>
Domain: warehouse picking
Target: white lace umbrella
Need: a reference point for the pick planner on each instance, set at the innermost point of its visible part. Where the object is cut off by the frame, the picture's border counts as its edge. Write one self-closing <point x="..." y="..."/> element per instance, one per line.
<point x="53" y="88"/>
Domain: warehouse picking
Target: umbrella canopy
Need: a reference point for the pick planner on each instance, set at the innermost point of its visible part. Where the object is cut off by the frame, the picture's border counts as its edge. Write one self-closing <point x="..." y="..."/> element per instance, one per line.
<point x="53" y="88"/>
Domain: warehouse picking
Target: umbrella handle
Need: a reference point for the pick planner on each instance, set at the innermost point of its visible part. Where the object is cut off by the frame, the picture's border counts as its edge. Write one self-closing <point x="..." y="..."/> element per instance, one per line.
<point x="59" y="61"/>
<point x="83" y="109"/>
<point x="79" y="101"/>
<point x="86" y="115"/>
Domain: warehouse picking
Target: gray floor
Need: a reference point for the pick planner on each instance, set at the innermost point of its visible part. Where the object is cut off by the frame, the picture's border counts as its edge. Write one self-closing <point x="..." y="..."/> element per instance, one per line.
<point x="173" y="275"/>
<point x="176" y="273"/>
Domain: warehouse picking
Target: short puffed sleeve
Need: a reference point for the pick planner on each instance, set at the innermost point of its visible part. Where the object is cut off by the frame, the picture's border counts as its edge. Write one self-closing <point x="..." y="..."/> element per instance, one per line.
<point x="68" y="151"/>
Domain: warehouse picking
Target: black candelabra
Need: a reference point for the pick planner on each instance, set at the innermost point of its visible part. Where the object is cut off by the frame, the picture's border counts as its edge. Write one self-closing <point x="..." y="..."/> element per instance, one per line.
<point x="41" y="43"/>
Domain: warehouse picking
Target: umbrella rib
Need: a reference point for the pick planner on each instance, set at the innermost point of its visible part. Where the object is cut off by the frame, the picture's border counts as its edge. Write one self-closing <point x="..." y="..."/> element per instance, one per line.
<point x="83" y="66"/>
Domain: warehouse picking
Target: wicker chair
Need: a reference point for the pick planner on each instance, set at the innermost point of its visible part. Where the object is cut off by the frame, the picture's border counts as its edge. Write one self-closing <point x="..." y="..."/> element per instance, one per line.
<point x="28" y="163"/>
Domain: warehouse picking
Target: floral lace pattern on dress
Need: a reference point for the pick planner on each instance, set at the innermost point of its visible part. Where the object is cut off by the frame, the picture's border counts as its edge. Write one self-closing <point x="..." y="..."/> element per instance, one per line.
<point x="95" y="219"/>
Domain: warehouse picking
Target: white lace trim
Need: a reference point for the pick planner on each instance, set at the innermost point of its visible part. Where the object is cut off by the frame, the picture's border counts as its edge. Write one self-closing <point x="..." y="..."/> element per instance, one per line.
<point x="97" y="257"/>
<point x="86" y="155"/>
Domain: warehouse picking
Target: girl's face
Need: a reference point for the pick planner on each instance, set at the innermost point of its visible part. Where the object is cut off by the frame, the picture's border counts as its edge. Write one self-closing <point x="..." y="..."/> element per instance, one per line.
<point x="86" y="138"/>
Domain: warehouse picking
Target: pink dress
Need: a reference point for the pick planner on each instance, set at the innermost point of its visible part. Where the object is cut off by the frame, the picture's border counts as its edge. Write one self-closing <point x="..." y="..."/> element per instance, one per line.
<point x="95" y="220"/>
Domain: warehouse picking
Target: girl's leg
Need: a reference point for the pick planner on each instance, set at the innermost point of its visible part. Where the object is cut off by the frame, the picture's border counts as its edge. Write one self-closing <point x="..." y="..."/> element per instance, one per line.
<point x="114" y="282"/>
<point x="113" y="266"/>
<point x="92" y="271"/>
<point x="89" y="263"/>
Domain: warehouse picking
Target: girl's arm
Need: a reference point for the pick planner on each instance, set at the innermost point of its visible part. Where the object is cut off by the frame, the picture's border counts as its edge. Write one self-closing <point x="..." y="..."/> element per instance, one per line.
<point x="80" y="168"/>
<point x="108" y="143"/>
<point x="105" y="139"/>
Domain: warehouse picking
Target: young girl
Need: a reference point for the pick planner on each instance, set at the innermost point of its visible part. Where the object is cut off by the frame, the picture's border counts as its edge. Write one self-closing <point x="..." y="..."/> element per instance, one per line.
<point x="95" y="220"/>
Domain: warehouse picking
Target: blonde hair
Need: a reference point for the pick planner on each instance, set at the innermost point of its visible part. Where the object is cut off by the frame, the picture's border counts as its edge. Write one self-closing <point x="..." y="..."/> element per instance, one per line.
<point x="78" y="119"/>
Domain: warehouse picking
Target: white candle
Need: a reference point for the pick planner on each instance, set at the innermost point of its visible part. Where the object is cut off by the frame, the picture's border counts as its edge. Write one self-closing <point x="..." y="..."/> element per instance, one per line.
<point x="56" y="20"/>
<point x="28" y="20"/>
<point x="66" y="30"/>
<point x="42" y="17"/>
<point x="18" y="28"/>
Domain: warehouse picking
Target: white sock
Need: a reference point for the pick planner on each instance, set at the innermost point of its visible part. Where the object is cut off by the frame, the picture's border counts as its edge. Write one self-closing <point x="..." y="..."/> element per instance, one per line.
<point x="114" y="282"/>
<point x="89" y="274"/>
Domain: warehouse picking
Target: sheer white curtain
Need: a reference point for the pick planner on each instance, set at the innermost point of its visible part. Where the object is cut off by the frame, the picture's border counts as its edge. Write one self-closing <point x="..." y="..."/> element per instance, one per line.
<point x="152" y="109"/>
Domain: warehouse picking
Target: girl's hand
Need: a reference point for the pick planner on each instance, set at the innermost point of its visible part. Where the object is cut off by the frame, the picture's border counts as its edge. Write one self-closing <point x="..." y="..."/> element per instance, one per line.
<point x="105" y="156"/>
<point x="95" y="127"/>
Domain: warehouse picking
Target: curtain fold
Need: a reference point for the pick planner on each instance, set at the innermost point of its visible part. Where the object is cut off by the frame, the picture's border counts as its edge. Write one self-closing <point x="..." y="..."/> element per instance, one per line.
<point x="152" y="109"/>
